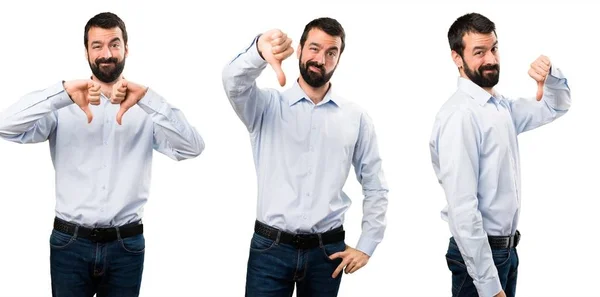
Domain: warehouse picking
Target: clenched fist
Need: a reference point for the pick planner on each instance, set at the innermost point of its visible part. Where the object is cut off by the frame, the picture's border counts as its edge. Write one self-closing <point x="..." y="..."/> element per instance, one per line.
<point x="130" y="94"/>
<point x="118" y="92"/>
<point x="539" y="71"/>
<point x="83" y="93"/>
<point x="275" y="46"/>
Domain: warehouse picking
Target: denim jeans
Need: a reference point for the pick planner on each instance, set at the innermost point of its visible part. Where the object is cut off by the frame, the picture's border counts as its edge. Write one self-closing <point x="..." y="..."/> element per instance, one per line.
<point x="274" y="269"/>
<point x="82" y="268"/>
<point x="506" y="261"/>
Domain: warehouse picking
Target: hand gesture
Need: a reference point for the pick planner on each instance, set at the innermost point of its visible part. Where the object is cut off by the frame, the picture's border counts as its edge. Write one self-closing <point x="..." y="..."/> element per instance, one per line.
<point x="275" y="46"/>
<point x="83" y="93"/>
<point x="352" y="260"/>
<point x="132" y="93"/>
<point x="539" y="71"/>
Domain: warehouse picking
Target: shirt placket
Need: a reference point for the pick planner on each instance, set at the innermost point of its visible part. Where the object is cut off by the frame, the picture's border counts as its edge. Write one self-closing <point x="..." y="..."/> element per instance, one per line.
<point x="313" y="130"/>
<point x="106" y="145"/>
<point x="513" y="162"/>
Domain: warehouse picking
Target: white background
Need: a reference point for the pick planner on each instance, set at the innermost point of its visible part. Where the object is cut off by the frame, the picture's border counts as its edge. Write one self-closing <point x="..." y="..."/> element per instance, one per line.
<point x="397" y="65"/>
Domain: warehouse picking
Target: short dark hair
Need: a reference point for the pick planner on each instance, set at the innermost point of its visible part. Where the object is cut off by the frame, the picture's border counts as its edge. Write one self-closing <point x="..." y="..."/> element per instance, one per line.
<point x="104" y="20"/>
<point x="468" y="23"/>
<point x="327" y="25"/>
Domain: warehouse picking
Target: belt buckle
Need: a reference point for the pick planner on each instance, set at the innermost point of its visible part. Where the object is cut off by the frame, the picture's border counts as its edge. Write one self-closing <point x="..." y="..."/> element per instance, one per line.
<point x="97" y="235"/>
<point x="300" y="241"/>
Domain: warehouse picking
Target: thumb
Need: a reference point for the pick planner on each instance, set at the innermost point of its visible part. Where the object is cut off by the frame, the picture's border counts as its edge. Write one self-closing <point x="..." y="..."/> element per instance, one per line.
<point x="276" y="64"/>
<point x="123" y="83"/>
<point x="120" y="114"/>
<point x="337" y="255"/>
<point x="540" y="90"/>
<point x="88" y="113"/>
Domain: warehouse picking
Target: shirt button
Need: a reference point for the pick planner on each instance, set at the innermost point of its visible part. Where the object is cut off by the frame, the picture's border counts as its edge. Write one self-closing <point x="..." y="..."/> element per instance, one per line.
<point x="101" y="209"/>
<point x="103" y="187"/>
<point x="304" y="217"/>
<point x="106" y="142"/>
<point x="307" y="194"/>
<point x="312" y="149"/>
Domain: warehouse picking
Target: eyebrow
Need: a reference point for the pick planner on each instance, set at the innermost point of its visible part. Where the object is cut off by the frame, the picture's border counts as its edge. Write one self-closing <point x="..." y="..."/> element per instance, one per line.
<point x="333" y="48"/>
<point x="483" y="47"/>
<point x="111" y="41"/>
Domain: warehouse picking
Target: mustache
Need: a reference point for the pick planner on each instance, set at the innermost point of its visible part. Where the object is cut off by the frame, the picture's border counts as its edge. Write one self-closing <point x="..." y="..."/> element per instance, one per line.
<point x="321" y="67"/>
<point x="489" y="67"/>
<point x="106" y="60"/>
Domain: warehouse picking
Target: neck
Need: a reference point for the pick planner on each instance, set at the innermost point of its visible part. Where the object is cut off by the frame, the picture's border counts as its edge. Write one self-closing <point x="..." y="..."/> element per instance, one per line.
<point x="316" y="95"/>
<point x="489" y="90"/>
<point x="106" y="88"/>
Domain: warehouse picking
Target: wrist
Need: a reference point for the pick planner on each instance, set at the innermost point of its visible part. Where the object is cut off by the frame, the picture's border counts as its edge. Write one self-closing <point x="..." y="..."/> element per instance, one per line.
<point x="258" y="47"/>
<point x="67" y="87"/>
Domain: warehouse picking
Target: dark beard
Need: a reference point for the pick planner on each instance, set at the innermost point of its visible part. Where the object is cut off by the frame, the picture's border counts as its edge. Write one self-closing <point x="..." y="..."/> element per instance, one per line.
<point x="484" y="81"/>
<point x="107" y="77"/>
<point x="314" y="79"/>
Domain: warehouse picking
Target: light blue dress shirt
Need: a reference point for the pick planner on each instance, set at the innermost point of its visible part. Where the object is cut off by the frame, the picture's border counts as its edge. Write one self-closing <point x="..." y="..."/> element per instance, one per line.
<point x="102" y="168"/>
<point x="303" y="153"/>
<point x="475" y="155"/>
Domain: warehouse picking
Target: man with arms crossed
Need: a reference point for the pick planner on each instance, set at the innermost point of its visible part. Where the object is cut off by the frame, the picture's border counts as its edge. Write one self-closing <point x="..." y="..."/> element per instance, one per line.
<point x="304" y="141"/>
<point x="475" y="156"/>
<point x="102" y="132"/>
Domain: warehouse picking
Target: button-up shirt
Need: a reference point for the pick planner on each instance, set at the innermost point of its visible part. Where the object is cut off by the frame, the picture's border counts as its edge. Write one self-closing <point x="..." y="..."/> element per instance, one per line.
<point x="102" y="168"/>
<point x="475" y="155"/>
<point x="303" y="153"/>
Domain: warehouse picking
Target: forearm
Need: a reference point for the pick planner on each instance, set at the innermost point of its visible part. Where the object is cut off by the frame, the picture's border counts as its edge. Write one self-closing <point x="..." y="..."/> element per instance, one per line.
<point x="171" y="127"/>
<point x="33" y="108"/>
<point x="374" y="221"/>
<point x="239" y="82"/>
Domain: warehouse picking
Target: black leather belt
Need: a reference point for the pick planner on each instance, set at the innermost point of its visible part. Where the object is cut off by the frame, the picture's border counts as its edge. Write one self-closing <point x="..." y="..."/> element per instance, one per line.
<point x="504" y="242"/>
<point x="99" y="234"/>
<point x="300" y="241"/>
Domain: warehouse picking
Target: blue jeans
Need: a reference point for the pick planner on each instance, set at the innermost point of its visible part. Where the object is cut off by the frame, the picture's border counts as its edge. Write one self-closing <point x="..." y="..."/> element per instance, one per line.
<point x="82" y="268"/>
<point x="507" y="263"/>
<point x="274" y="269"/>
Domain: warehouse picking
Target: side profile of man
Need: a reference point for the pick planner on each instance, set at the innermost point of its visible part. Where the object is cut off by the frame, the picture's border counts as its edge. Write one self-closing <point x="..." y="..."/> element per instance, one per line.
<point x="475" y="155"/>
<point x="102" y="132"/>
<point x="304" y="141"/>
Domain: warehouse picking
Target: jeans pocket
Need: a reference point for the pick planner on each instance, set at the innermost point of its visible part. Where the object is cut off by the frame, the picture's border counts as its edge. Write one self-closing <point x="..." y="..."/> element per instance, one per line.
<point x="457" y="266"/>
<point x="261" y="244"/>
<point x="134" y="244"/>
<point x="459" y="274"/>
<point x="59" y="240"/>
<point x="501" y="257"/>
<point x="332" y="248"/>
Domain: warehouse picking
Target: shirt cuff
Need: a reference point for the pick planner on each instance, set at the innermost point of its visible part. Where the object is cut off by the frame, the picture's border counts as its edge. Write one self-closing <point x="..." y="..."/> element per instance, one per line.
<point x="489" y="287"/>
<point x="152" y="102"/>
<point x="556" y="79"/>
<point x="254" y="57"/>
<point x="366" y="245"/>
<point x="58" y="96"/>
<point x="556" y="84"/>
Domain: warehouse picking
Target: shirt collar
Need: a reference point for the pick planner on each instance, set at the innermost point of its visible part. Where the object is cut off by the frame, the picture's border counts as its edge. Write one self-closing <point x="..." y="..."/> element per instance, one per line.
<point x="295" y="94"/>
<point x="480" y="95"/>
